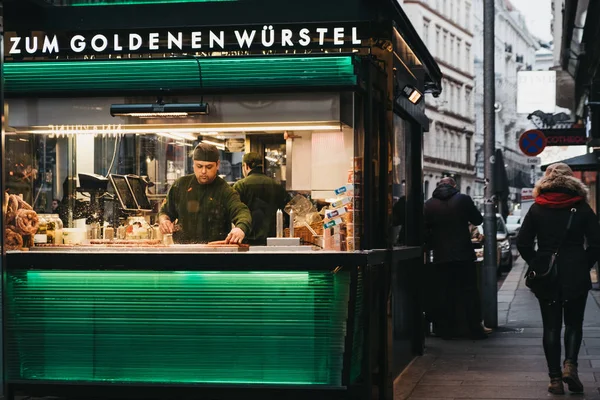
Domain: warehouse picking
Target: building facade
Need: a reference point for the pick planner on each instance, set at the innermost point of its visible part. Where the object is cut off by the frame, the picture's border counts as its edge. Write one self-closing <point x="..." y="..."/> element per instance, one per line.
<point x="446" y="28"/>
<point x="515" y="51"/>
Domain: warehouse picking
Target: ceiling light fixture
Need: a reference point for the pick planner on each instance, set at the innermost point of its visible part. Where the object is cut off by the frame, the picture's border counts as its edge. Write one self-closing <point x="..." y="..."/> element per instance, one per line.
<point x="162" y="110"/>
<point x="159" y="110"/>
<point x="218" y="145"/>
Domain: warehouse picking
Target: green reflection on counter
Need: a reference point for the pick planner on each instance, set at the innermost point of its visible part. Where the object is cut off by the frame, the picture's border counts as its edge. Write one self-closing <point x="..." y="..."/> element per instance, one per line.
<point x="177" y="327"/>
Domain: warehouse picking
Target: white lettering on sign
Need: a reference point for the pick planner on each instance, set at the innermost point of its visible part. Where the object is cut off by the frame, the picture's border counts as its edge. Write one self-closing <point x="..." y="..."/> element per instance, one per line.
<point x="50" y="46"/>
<point x="135" y="41"/>
<point x="15" y="45"/>
<point x="175" y="40"/>
<point x="196" y="40"/>
<point x="78" y="43"/>
<point x="92" y="129"/>
<point x="244" y="39"/>
<point x="214" y="39"/>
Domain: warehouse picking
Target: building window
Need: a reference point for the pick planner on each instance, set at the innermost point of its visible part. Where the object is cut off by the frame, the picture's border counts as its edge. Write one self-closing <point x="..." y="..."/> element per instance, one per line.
<point x="425" y="190"/>
<point x="438" y="43"/>
<point x="458" y="53"/>
<point x="445" y="48"/>
<point x="468" y="152"/>
<point x="468" y="190"/>
<point x="452" y="52"/>
<point x="426" y="32"/>
<point x="468" y="16"/>
<point x="469" y="108"/>
<point x="468" y="57"/>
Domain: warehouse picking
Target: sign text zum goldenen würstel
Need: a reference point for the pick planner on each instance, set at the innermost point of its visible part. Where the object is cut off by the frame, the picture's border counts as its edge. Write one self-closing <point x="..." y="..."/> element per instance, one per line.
<point x="172" y="41"/>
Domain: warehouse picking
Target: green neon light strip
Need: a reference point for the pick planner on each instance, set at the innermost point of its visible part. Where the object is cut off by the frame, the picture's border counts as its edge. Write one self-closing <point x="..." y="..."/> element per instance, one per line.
<point x="94" y="77"/>
<point x="82" y="3"/>
<point x="177" y="327"/>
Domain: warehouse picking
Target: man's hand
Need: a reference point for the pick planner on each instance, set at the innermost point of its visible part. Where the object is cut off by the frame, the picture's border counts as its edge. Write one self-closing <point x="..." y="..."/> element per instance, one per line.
<point x="236" y="236"/>
<point x="165" y="225"/>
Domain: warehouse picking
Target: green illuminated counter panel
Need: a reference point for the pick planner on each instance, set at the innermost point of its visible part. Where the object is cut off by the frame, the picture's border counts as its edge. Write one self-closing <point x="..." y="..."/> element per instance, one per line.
<point x="230" y="323"/>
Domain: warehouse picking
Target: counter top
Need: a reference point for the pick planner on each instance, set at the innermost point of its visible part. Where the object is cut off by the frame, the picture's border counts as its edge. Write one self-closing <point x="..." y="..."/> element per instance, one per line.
<point x="148" y="259"/>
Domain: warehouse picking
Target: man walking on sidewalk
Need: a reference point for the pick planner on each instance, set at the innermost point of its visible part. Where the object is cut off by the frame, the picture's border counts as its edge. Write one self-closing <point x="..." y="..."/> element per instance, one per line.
<point x="447" y="217"/>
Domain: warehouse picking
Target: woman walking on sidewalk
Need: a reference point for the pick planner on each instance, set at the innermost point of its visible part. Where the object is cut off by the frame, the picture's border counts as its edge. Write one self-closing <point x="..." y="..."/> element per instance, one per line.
<point x="562" y="222"/>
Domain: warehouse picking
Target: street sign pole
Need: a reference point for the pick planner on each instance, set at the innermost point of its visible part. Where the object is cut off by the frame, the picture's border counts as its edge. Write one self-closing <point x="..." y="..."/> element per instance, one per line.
<point x="489" y="272"/>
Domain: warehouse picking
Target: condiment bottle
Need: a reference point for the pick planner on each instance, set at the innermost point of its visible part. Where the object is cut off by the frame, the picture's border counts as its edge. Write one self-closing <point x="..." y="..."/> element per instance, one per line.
<point x="50" y="230"/>
<point x="58" y="233"/>
<point x="279" y="232"/>
<point x="109" y="233"/>
<point x="292" y="216"/>
<point x="40" y="236"/>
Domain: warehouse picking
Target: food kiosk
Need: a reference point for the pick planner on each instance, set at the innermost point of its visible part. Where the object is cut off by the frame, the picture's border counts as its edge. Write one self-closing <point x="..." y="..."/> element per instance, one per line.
<point x="103" y="105"/>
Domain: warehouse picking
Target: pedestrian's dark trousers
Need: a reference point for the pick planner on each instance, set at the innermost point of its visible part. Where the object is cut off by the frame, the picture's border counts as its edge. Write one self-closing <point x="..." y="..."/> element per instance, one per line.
<point x="457" y="282"/>
<point x="552" y="317"/>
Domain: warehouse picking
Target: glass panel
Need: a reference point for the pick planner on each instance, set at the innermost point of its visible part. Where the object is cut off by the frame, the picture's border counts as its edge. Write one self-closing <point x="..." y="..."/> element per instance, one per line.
<point x="108" y="179"/>
<point x="399" y="182"/>
<point x="284" y="328"/>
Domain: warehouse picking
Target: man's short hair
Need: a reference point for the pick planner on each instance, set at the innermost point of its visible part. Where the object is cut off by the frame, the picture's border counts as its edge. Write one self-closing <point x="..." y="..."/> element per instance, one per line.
<point x="447" y="181"/>
<point x="252" y="160"/>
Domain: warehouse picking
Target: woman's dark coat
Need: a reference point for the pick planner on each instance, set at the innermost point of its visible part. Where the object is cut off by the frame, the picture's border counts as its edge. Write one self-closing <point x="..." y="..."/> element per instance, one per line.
<point x="548" y="226"/>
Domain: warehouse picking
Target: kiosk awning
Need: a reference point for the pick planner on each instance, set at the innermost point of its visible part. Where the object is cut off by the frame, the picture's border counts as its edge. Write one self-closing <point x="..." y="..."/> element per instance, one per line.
<point x="176" y="75"/>
<point x="585" y="162"/>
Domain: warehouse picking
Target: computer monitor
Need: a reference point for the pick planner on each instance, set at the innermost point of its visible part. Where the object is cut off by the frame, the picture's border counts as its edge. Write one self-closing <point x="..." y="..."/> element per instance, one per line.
<point x="124" y="192"/>
<point x="138" y="188"/>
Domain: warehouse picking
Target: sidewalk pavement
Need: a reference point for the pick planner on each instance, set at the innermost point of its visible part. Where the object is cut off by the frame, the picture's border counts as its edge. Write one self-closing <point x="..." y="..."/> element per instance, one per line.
<point x="508" y="365"/>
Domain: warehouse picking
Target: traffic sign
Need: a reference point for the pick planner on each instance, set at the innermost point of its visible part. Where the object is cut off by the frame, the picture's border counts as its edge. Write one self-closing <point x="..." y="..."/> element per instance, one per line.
<point x="533" y="161"/>
<point x="532" y="142"/>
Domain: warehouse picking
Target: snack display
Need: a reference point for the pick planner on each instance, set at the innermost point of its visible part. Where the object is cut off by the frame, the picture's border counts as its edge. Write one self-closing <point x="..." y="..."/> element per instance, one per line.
<point x="21" y="222"/>
<point x="26" y="222"/>
<point x="12" y="208"/>
<point x="14" y="241"/>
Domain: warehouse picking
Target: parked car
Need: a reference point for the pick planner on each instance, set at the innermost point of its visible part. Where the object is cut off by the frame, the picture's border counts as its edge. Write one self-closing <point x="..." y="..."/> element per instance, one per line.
<point x="504" y="244"/>
<point x="513" y="224"/>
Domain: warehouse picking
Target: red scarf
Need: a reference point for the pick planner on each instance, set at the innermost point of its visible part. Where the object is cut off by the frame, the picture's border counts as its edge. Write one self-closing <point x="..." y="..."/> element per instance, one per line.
<point x="557" y="200"/>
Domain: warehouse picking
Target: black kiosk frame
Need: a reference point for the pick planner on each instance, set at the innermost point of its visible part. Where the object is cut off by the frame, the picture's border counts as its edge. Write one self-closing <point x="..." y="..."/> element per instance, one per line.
<point x="371" y="278"/>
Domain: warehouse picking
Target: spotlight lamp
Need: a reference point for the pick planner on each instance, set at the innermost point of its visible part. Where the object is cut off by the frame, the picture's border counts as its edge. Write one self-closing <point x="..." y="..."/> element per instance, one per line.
<point x="413" y="95"/>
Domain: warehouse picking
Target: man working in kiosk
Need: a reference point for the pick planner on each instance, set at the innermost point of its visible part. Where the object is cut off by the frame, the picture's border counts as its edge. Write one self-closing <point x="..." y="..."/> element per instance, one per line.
<point x="204" y="205"/>
<point x="263" y="195"/>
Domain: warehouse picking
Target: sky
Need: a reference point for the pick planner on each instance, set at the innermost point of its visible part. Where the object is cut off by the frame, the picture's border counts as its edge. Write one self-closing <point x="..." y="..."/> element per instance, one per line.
<point x="538" y="14"/>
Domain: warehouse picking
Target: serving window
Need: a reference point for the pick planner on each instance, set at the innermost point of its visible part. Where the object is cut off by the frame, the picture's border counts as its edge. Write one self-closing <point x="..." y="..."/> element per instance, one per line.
<point x="101" y="180"/>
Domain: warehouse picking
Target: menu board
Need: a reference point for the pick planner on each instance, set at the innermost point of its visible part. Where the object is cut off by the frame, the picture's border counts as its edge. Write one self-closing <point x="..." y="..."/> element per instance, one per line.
<point x="123" y="192"/>
<point x="138" y="189"/>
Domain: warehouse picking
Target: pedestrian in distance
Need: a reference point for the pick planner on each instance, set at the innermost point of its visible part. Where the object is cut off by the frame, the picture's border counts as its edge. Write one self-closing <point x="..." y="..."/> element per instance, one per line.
<point x="563" y="223"/>
<point x="447" y="217"/>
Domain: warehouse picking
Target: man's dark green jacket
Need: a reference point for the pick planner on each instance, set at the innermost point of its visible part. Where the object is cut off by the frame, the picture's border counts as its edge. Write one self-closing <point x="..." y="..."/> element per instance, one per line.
<point x="205" y="212"/>
<point x="264" y="196"/>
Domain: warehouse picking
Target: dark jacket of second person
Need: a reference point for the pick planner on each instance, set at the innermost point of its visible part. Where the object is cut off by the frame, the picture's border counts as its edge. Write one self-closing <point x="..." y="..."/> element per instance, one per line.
<point x="447" y="217"/>
<point x="263" y="196"/>
<point x="547" y="222"/>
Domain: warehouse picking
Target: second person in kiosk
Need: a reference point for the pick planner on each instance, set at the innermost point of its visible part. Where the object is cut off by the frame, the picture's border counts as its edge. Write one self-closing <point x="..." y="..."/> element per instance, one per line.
<point x="204" y="205"/>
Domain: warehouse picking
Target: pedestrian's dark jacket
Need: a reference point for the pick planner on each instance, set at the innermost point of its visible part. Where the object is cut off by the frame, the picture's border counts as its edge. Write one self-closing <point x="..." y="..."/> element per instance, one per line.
<point x="263" y="196"/>
<point x="205" y="212"/>
<point x="447" y="217"/>
<point x="547" y="221"/>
